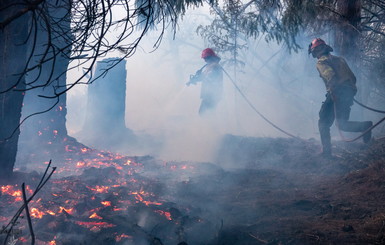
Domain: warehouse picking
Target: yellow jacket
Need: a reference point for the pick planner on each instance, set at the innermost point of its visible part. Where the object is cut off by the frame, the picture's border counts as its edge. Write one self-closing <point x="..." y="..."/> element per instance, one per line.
<point x="335" y="72"/>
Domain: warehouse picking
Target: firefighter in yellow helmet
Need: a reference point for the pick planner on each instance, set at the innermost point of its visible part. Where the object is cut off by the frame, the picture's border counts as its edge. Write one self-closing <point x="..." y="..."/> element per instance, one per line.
<point x="211" y="77"/>
<point x="341" y="88"/>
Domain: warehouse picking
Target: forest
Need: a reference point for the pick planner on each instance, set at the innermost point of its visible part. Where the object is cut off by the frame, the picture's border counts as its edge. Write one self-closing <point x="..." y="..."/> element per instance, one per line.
<point x="101" y="141"/>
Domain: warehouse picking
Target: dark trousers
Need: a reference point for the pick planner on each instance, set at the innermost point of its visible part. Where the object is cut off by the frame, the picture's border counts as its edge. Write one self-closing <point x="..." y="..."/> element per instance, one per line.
<point x="207" y="104"/>
<point x="337" y="107"/>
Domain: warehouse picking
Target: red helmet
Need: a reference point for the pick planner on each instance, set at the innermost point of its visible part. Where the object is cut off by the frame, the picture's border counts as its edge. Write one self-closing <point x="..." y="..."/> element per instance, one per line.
<point x="315" y="43"/>
<point x="207" y="53"/>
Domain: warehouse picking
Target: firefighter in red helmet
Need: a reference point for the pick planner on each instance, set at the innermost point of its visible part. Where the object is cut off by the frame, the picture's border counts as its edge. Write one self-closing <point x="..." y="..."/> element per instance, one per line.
<point x="211" y="77"/>
<point x="340" y="83"/>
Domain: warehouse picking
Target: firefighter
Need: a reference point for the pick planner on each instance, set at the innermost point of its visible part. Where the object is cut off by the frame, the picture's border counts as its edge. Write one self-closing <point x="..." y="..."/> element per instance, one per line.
<point x="341" y="88"/>
<point x="211" y="77"/>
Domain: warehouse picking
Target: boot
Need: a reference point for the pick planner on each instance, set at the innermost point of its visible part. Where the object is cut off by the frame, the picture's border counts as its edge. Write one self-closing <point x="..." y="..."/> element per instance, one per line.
<point x="368" y="136"/>
<point x="326" y="153"/>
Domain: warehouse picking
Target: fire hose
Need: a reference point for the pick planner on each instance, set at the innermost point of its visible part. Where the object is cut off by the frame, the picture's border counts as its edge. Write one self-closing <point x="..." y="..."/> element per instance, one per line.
<point x="293" y="136"/>
<point x="367" y="130"/>
<point x="367" y="107"/>
<point x="255" y="109"/>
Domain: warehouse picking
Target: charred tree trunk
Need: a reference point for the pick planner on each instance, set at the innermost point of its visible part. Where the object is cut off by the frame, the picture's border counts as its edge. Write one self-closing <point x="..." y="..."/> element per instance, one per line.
<point x="105" y="119"/>
<point x="347" y="35"/>
<point x="13" y="51"/>
<point x="47" y="130"/>
<point x="347" y="44"/>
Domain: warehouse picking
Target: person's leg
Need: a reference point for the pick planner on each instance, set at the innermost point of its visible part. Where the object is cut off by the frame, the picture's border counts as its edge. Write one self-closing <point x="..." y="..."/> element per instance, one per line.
<point x="326" y="119"/>
<point x="207" y="104"/>
<point x="343" y="103"/>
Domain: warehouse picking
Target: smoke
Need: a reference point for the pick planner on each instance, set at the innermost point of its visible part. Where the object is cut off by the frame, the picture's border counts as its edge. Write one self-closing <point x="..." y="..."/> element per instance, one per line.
<point x="163" y="112"/>
<point x="160" y="105"/>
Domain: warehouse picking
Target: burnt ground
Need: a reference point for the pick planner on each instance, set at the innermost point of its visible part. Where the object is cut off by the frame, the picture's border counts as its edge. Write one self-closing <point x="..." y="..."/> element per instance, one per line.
<point x="258" y="191"/>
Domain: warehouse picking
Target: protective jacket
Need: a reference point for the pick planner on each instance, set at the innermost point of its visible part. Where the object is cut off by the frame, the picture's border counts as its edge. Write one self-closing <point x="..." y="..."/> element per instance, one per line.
<point x="212" y="82"/>
<point x="335" y="72"/>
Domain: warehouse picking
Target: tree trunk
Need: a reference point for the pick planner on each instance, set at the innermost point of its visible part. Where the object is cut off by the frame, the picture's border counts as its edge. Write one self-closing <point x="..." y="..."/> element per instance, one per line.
<point x="48" y="128"/>
<point x="12" y="57"/>
<point x="104" y="125"/>
<point x="348" y="33"/>
<point x="347" y="44"/>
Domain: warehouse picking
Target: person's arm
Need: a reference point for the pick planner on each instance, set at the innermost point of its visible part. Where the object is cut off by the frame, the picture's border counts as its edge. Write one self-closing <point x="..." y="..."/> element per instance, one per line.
<point x="328" y="74"/>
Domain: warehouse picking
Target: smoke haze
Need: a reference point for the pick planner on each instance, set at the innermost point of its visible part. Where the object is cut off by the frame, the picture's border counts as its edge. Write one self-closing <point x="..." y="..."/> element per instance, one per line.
<point x="285" y="87"/>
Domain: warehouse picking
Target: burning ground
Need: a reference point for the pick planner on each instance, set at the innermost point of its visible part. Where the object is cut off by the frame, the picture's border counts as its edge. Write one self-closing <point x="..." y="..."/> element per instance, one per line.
<point x="258" y="191"/>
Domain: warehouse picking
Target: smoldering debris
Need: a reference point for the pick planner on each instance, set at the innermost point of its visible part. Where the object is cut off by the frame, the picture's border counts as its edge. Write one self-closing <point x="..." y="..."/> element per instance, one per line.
<point x="114" y="199"/>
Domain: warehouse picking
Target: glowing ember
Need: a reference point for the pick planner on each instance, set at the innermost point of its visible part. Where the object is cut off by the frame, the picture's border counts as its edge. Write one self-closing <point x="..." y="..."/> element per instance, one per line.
<point x="67" y="210"/>
<point x="80" y="164"/>
<point x="3" y="219"/>
<point x="23" y="239"/>
<point x="165" y="214"/>
<point x="53" y="242"/>
<point x="55" y="132"/>
<point x="118" y="238"/>
<point x="50" y="212"/>
<point x="39" y="133"/>
<point x="35" y="213"/>
<point x="99" y="189"/>
<point x="90" y="225"/>
<point x="83" y="150"/>
<point x="106" y="203"/>
<point x="95" y="216"/>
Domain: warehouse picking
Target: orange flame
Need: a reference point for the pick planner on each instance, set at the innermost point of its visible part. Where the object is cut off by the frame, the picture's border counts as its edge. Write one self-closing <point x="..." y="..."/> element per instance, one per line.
<point x="95" y="216"/>
<point x="164" y="213"/>
<point x="53" y="242"/>
<point x="36" y="213"/>
<point x="80" y="164"/>
<point x="50" y="212"/>
<point x="118" y="238"/>
<point x="83" y="150"/>
<point x="99" y="189"/>
<point x="94" y="224"/>
<point x="106" y="203"/>
<point x="67" y="210"/>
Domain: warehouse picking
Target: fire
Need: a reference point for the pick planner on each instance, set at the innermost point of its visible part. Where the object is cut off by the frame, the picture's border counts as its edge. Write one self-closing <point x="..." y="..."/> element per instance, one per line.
<point x="50" y="212"/>
<point x="139" y="197"/>
<point x="100" y="189"/>
<point x="67" y="148"/>
<point x="80" y="164"/>
<point x="23" y="239"/>
<point x="83" y="150"/>
<point x="164" y="213"/>
<point x="67" y="210"/>
<point x="92" y="224"/>
<point x="106" y="203"/>
<point x="118" y="238"/>
<point x="9" y="190"/>
<point x="55" y="132"/>
<point x="36" y="213"/>
<point x="53" y="242"/>
<point x="95" y="216"/>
